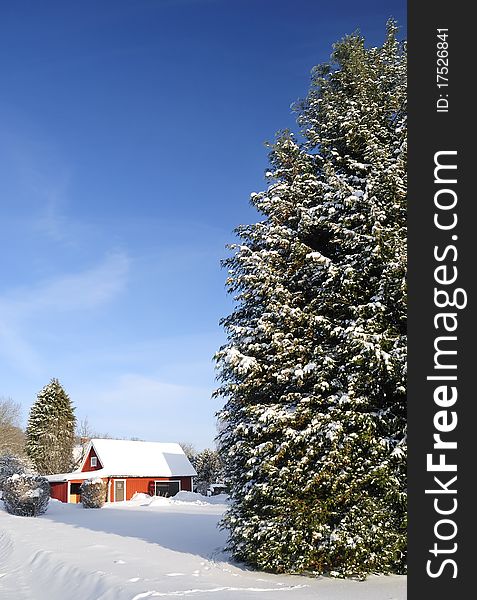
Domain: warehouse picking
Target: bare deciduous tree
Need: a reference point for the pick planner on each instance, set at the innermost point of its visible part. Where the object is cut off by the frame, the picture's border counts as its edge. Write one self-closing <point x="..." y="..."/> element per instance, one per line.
<point x="12" y="437"/>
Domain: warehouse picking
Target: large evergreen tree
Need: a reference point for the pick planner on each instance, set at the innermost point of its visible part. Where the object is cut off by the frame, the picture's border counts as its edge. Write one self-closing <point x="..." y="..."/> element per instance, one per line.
<point x="312" y="432"/>
<point x="50" y="433"/>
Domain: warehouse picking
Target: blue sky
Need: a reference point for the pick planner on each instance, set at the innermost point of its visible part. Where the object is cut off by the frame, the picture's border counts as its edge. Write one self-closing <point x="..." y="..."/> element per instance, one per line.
<point x="132" y="134"/>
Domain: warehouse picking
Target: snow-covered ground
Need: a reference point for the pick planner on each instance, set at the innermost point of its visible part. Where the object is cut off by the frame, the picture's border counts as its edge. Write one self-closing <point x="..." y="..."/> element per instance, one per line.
<point x="148" y="548"/>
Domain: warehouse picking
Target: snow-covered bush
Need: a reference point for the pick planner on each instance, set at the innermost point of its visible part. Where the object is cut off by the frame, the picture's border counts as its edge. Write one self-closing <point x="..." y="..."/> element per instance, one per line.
<point x="26" y="495"/>
<point x="11" y="465"/>
<point x="93" y="493"/>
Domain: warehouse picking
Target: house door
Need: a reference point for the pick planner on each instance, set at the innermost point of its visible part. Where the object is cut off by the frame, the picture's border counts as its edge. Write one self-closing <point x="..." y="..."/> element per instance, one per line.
<point x="75" y="494"/>
<point x="119" y="490"/>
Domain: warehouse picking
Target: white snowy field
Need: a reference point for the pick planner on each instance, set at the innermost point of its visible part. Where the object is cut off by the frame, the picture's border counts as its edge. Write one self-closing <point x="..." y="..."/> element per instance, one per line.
<point x="148" y="549"/>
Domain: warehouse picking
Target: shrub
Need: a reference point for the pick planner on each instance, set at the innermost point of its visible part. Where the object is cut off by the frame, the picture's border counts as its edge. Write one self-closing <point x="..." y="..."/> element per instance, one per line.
<point x="93" y="493"/>
<point x="11" y="464"/>
<point x="26" y="495"/>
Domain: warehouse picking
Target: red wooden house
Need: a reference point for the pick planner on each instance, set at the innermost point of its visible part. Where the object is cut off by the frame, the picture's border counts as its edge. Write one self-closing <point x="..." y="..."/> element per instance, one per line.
<point x="127" y="467"/>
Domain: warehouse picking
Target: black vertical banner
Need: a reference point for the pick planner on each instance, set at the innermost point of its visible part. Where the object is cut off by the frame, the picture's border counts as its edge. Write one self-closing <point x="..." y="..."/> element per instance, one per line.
<point x="442" y="250"/>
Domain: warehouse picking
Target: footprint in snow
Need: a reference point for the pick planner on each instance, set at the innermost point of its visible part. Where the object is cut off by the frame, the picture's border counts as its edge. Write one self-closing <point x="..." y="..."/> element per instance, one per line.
<point x="133" y="579"/>
<point x="120" y="562"/>
<point x="174" y="574"/>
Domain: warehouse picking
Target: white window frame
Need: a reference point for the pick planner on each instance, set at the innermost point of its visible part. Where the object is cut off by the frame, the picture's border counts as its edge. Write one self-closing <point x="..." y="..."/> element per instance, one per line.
<point x="93" y="461"/>
<point x="167" y="481"/>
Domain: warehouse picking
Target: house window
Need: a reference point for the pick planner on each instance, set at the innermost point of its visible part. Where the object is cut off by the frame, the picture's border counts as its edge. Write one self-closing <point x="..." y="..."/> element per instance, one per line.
<point x="166" y="488"/>
<point x="94" y="461"/>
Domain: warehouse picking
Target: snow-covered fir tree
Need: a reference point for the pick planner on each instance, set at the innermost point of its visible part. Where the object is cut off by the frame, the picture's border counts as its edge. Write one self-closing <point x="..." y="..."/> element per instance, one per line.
<point x="50" y="433"/>
<point x="313" y="430"/>
<point x="209" y="469"/>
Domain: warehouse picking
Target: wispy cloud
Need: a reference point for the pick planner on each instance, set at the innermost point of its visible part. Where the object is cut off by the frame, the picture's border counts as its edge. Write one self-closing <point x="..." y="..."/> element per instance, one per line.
<point x="36" y="180"/>
<point x="51" y="222"/>
<point x="76" y="292"/>
<point x="17" y="351"/>
<point x="146" y="406"/>
<point x="150" y="392"/>
<point x="84" y="290"/>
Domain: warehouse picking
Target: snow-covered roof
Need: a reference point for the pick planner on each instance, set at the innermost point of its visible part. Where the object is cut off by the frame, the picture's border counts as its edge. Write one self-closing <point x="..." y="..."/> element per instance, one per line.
<point x="73" y="476"/>
<point x="133" y="459"/>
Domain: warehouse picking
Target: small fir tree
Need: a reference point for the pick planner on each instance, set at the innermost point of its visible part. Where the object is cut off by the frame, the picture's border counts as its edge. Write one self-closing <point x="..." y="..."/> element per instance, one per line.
<point x="313" y="431"/>
<point x="209" y="469"/>
<point x="50" y="433"/>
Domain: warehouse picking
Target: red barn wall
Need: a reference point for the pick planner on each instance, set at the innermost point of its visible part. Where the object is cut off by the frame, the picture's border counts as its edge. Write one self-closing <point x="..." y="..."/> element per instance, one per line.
<point x="59" y="491"/>
<point x="87" y="464"/>
<point x="141" y="485"/>
<point x="186" y="484"/>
